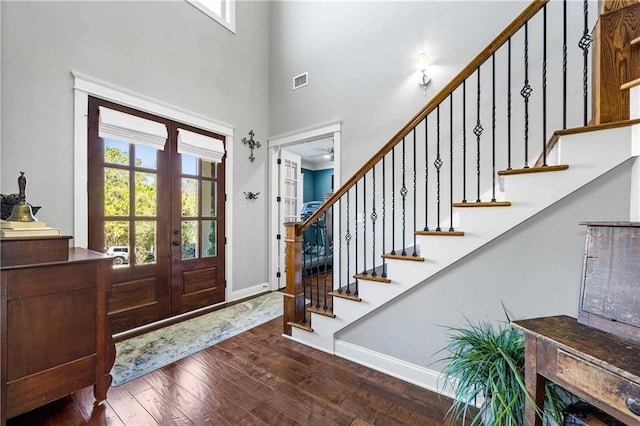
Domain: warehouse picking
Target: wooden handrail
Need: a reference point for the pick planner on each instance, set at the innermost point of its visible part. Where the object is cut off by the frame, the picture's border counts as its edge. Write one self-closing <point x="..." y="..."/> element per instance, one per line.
<point x="466" y="72"/>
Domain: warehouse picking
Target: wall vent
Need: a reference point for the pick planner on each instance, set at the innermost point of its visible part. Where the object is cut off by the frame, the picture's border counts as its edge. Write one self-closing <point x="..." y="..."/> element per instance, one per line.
<point x="300" y="80"/>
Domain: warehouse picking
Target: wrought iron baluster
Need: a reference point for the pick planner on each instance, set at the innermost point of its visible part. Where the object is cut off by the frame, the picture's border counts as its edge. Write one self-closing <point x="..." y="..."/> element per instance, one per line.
<point x="415" y="214"/>
<point x="584" y="43"/>
<point x="384" y="217"/>
<point x="477" y="130"/>
<point x="564" y="64"/>
<point x="347" y="238"/>
<point x="464" y="141"/>
<point x="426" y="173"/>
<point x="451" y="162"/>
<point x="325" y="255"/>
<point x="493" y="127"/>
<point x="355" y="255"/>
<point x="339" y="259"/>
<point x="526" y="93"/>
<point x="393" y="200"/>
<point x="403" y="194"/>
<point x="544" y="86"/>
<point x="305" y="282"/>
<point x="374" y="217"/>
<point x="318" y="260"/>
<point x="364" y="225"/>
<point x="509" y="104"/>
<point x="438" y="165"/>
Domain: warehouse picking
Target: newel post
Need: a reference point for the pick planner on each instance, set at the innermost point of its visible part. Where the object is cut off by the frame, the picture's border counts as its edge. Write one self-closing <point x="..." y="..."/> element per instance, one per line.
<point x="294" y="303"/>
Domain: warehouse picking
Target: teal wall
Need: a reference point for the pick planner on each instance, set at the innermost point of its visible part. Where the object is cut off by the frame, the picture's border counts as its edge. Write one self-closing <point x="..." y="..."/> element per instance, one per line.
<point x="316" y="184"/>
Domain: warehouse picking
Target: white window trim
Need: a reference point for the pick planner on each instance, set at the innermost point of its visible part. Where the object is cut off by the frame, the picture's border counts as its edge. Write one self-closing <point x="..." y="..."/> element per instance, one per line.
<point x="228" y="9"/>
<point x="85" y="86"/>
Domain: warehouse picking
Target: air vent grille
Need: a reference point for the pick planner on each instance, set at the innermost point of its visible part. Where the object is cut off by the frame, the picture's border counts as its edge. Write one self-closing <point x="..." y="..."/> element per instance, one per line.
<point x="300" y="80"/>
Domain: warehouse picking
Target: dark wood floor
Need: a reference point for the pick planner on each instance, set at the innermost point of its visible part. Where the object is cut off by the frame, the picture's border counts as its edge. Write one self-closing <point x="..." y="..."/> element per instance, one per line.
<point x="257" y="377"/>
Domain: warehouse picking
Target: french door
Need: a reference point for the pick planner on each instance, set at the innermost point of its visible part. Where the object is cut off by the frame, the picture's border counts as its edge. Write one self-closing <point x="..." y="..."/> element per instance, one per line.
<point x="158" y="212"/>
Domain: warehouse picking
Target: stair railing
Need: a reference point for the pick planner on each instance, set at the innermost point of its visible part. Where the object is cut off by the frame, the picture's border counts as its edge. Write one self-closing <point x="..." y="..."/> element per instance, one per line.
<point x="410" y="186"/>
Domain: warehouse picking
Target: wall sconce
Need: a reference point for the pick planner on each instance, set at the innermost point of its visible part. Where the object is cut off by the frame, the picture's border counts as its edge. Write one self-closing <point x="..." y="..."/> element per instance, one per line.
<point x="252" y="144"/>
<point x="423" y="63"/>
<point x="251" y="195"/>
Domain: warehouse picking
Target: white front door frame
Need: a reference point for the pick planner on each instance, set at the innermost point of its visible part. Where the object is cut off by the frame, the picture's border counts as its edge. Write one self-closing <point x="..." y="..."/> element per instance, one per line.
<point x="331" y="129"/>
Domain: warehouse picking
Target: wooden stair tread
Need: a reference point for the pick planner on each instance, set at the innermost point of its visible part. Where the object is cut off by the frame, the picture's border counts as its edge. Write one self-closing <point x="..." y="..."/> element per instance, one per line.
<point x="301" y="325"/>
<point x="403" y="257"/>
<point x="342" y="292"/>
<point x="483" y="204"/>
<point x="442" y="233"/>
<point x="321" y="311"/>
<point x="535" y="169"/>
<point x="373" y="274"/>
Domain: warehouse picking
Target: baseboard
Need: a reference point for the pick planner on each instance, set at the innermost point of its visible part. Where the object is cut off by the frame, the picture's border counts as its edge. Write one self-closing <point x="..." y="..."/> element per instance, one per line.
<point x="302" y="342"/>
<point x="248" y="292"/>
<point x="415" y="374"/>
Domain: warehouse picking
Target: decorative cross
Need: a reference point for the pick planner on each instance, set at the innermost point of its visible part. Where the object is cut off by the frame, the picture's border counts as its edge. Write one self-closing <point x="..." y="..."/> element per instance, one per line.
<point x="252" y="144"/>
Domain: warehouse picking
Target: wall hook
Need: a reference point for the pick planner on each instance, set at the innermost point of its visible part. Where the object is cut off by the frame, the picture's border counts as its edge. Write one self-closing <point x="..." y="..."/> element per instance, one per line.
<point x="251" y="195"/>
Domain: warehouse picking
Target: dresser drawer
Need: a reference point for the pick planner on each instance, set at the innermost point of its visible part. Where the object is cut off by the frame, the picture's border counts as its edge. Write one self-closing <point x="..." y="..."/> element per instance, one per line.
<point x="610" y="389"/>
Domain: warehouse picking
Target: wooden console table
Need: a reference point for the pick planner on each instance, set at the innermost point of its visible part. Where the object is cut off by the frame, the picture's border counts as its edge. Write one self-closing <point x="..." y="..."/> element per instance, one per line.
<point x="54" y="334"/>
<point x="599" y="367"/>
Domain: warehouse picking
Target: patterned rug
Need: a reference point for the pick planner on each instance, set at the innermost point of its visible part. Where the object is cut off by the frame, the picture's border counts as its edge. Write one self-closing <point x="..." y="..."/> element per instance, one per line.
<point x="142" y="354"/>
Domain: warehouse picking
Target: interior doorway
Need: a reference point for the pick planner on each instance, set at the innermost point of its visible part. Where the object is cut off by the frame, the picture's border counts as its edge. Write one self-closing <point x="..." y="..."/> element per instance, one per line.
<point x="319" y="150"/>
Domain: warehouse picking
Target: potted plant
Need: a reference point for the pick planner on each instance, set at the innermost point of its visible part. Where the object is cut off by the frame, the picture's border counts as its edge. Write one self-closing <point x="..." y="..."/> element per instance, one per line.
<point x="485" y="373"/>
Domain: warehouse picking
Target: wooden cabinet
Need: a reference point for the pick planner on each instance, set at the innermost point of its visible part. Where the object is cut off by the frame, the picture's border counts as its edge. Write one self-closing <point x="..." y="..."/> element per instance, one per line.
<point x="595" y="356"/>
<point x="54" y="335"/>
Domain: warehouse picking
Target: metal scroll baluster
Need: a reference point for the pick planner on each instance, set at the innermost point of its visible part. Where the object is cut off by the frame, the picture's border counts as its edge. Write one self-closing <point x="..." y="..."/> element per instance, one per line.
<point x="305" y="281"/>
<point x="384" y="218"/>
<point x="415" y="214"/>
<point x="403" y="194"/>
<point x="438" y="165"/>
<point x="477" y="130"/>
<point x="509" y="104"/>
<point x="464" y="141"/>
<point x="493" y="127"/>
<point x="374" y="217"/>
<point x="544" y="86"/>
<point x="339" y="258"/>
<point x="564" y="64"/>
<point x="393" y="200"/>
<point x="318" y="230"/>
<point x="426" y="173"/>
<point x="451" y="162"/>
<point x="347" y="239"/>
<point x="526" y="93"/>
<point x="364" y="225"/>
<point x="355" y="236"/>
<point x="325" y="254"/>
<point x="584" y="43"/>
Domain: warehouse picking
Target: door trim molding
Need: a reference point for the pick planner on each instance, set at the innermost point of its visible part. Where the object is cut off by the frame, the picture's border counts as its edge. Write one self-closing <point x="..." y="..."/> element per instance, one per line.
<point x="85" y="86"/>
<point x="275" y="143"/>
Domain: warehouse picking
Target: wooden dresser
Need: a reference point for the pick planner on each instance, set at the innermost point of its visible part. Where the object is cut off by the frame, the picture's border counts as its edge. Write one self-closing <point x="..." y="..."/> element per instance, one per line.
<point x="54" y="334"/>
<point x="597" y="355"/>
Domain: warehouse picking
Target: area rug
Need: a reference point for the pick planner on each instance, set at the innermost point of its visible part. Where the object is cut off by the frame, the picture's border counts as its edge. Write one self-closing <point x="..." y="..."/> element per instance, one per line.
<point x="142" y="354"/>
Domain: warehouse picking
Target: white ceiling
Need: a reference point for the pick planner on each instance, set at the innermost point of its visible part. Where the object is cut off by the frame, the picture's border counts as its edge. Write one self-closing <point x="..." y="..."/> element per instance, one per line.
<point x="316" y="151"/>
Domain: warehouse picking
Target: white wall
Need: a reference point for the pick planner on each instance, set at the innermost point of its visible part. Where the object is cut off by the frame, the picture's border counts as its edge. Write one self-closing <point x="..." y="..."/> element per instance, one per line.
<point x="534" y="270"/>
<point x="362" y="61"/>
<point x="169" y="51"/>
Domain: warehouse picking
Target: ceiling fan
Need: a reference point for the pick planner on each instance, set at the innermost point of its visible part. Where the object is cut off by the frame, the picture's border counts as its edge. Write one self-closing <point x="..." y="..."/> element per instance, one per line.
<point x="326" y="153"/>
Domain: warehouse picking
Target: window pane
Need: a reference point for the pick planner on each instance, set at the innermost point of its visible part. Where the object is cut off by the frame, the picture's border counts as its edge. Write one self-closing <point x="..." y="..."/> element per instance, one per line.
<point x="189" y="165"/>
<point x="189" y="239"/>
<point x="189" y="197"/>
<point x="208" y="238"/>
<point x="146" y="194"/>
<point x="116" y="152"/>
<point x="116" y="239"/>
<point x="145" y="244"/>
<point x="146" y="157"/>
<point x="209" y="169"/>
<point x="208" y="198"/>
<point x="116" y="192"/>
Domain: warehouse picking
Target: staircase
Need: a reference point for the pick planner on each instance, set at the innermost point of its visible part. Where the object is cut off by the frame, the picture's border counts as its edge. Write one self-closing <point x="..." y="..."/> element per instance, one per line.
<point x="435" y="193"/>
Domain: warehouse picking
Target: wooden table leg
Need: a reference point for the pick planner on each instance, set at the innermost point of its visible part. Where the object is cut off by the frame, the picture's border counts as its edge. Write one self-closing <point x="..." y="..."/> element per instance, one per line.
<point x="535" y="383"/>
